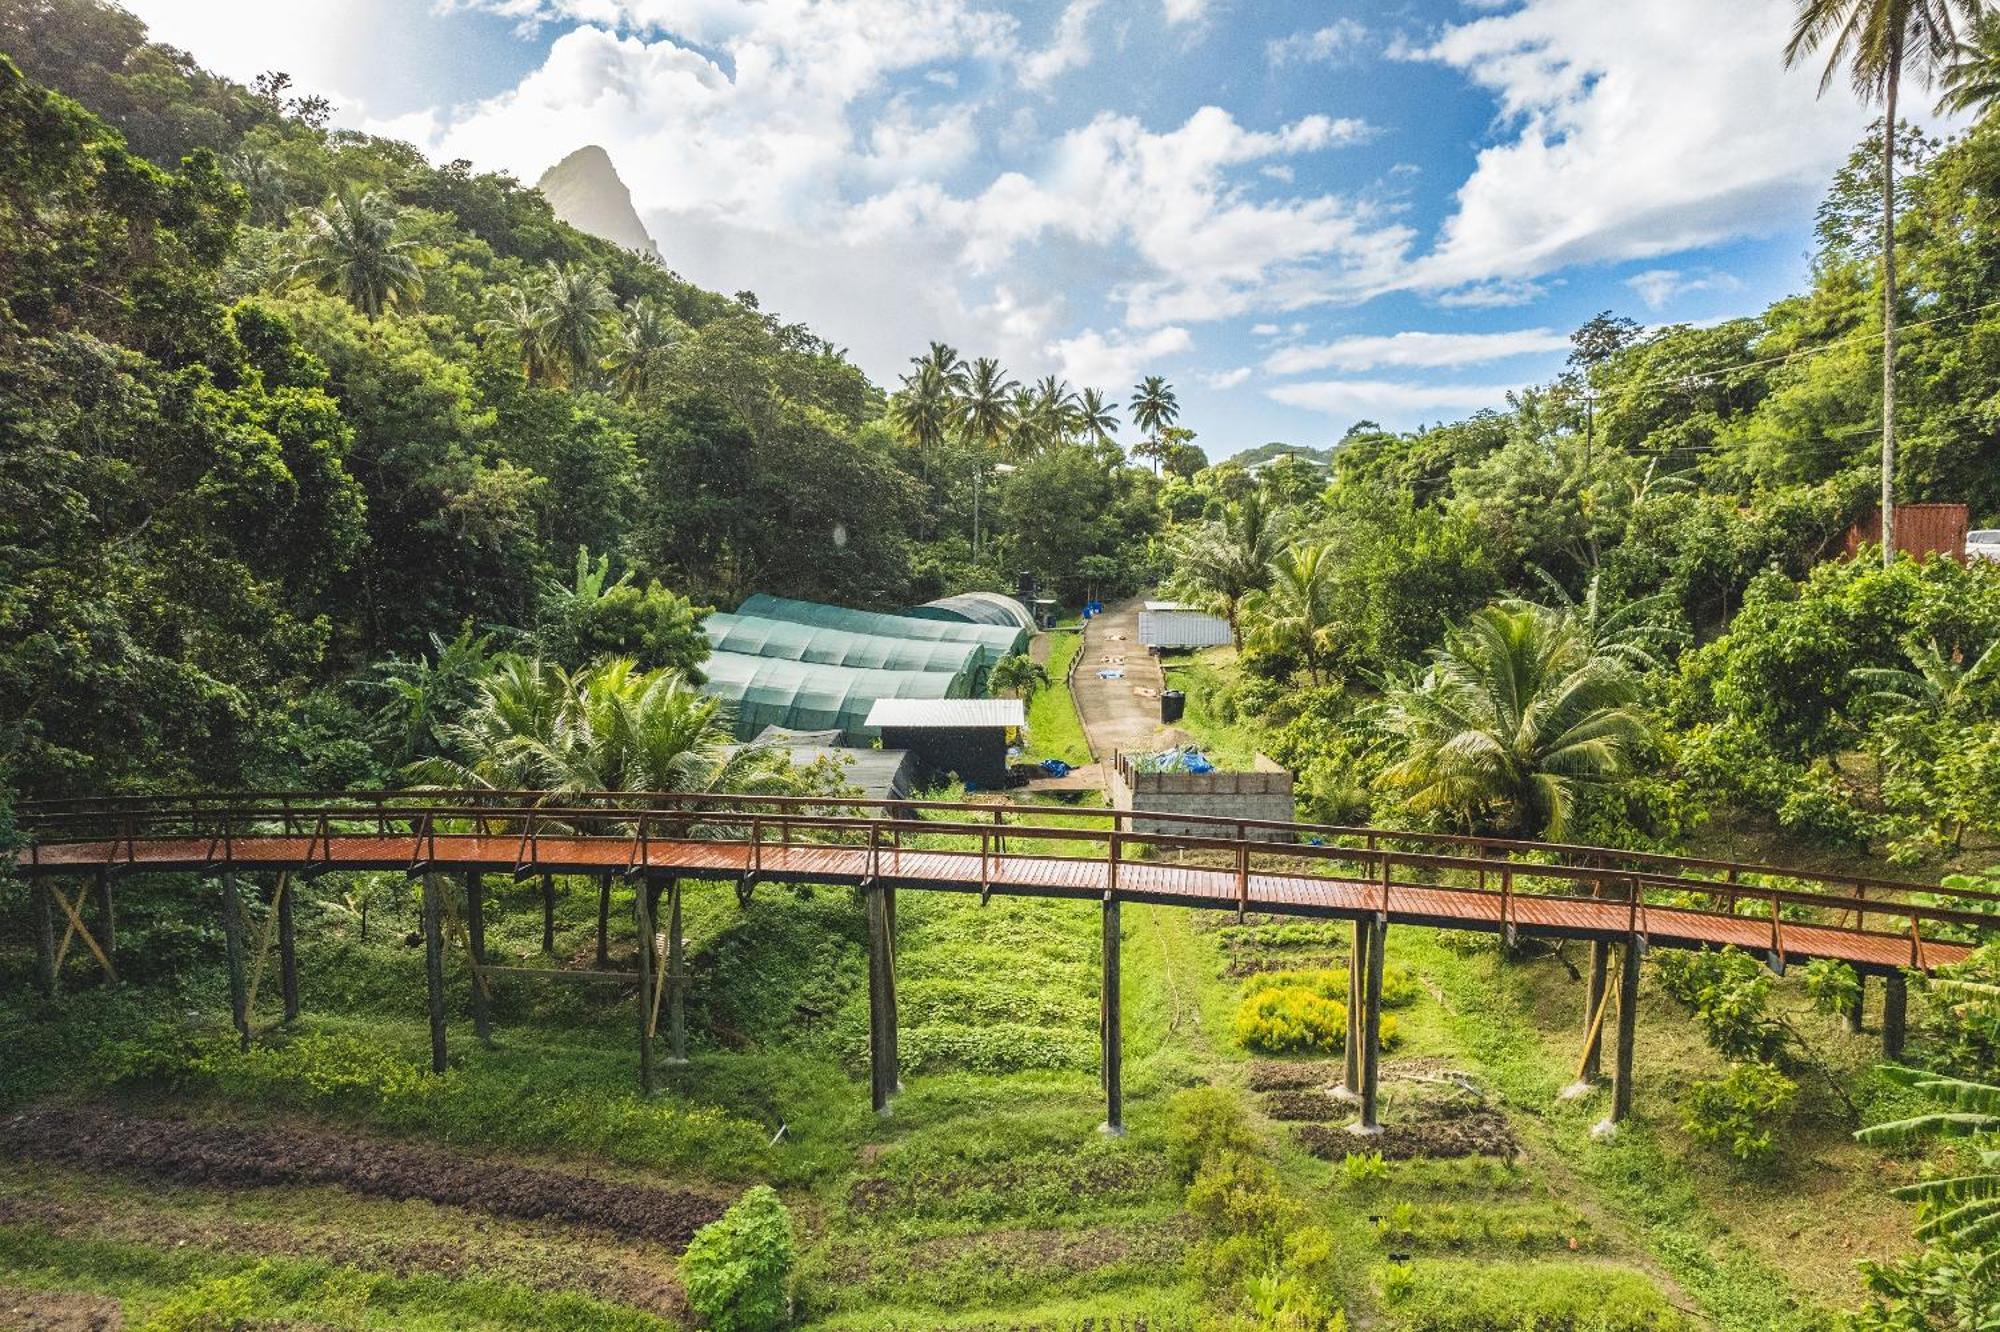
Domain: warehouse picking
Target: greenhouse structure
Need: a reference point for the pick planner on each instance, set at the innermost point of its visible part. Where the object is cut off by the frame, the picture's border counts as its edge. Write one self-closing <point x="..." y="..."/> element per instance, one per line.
<point x="995" y="642"/>
<point x="809" y="696"/>
<point x="823" y="645"/>
<point x="977" y="608"/>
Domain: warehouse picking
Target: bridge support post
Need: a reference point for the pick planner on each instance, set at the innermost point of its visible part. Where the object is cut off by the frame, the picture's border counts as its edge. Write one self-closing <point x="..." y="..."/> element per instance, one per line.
<point x="107" y="921"/>
<point x="1111" y="1024"/>
<point x="45" y="937"/>
<point x="677" y="1043"/>
<point x="288" y="948"/>
<point x="1357" y="980"/>
<point x="434" y="968"/>
<point x="475" y="954"/>
<point x="548" y="913"/>
<point x="603" y="920"/>
<point x="1628" y="1020"/>
<point x="232" y="938"/>
<point x="642" y="918"/>
<point x="1856" y="1014"/>
<point x="881" y="1002"/>
<point x="1370" y="1122"/>
<point x="1895" y="1014"/>
<point x="895" y="1018"/>
<point x="1593" y="1030"/>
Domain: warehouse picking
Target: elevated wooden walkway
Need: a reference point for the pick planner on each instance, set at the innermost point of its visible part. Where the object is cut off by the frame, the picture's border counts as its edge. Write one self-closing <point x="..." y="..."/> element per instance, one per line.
<point x="1372" y="877"/>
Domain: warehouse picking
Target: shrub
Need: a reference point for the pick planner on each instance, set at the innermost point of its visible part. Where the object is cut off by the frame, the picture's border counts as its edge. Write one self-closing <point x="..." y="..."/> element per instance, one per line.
<point x="1365" y="1171"/>
<point x="1294" y="1019"/>
<point x="1832" y="986"/>
<point x="738" y="1269"/>
<point x="1740" y="1110"/>
<point x="1202" y="1124"/>
<point x="1399" y="985"/>
<point x="1729" y="993"/>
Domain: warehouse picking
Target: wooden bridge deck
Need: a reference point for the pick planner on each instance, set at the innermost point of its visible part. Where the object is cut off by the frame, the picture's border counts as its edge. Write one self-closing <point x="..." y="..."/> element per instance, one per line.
<point x="1079" y="877"/>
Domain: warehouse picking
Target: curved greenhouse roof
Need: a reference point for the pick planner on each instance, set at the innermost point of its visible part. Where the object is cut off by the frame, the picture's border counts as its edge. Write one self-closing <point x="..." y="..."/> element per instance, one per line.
<point x="806" y="696"/>
<point x="977" y="608"/>
<point x="789" y="640"/>
<point x="996" y="642"/>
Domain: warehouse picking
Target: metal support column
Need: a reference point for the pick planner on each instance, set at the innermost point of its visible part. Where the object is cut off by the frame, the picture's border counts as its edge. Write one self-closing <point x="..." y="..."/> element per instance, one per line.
<point x="1628" y="1021"/>
<point x="1371" y="1030"/>
<point x="881" y="1000"/>
<point x="1357" y="979"/>
<point x="1895" y="1014"/>
<point x="45" y="936"/>
<point x="434" y="967"/>
<point x="232" y="938"/>
<point x="1857" y="1014"/>
<point x="642" y="919"/>
<point x="107" y="920"/>
<point x="475" y="953"/>
<point x="677" y="1043"/>
<point x="603" y="921"/>
<point x="1593" y="1030"/>
<point x="288" y="948"/>
<point x="548" y="913"/>
<point x="1112" y="1025"/>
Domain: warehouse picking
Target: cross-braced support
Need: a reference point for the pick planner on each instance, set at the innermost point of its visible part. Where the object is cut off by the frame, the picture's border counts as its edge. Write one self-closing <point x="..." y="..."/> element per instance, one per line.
<point x="1111" y="1024"/>
<point x="1357" y="978"/>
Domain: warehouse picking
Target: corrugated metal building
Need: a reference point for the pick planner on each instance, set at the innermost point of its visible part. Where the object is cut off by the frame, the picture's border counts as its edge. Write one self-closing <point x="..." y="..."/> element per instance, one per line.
<point x="788" y="640"/>
<point x="996" y="642"/>
<point x="977" y="608"/>
<point x="879" y="774"/>
<point x="966" y="736"/>
<point x="806" y="696"/>
<point x="1174" y="624"/>
<point x="1922" y="530"/>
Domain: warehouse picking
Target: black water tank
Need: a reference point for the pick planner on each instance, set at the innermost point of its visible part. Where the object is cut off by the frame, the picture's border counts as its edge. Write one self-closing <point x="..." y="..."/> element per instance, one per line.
<point x="1024" y="587"/>
<point x="1172" y="704"/>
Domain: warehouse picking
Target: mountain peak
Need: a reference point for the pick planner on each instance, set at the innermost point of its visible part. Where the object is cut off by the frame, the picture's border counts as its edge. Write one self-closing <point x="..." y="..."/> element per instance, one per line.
<point x="586" y="191"/>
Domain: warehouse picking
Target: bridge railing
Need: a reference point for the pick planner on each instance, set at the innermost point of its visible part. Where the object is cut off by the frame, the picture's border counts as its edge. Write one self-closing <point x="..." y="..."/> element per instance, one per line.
<point x="1502" y="871"/>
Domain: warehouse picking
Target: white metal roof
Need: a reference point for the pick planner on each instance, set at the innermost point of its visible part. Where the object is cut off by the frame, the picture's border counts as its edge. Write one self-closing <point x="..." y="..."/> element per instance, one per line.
<point x="1169" y="606"/>
<point x="947" y="712"/>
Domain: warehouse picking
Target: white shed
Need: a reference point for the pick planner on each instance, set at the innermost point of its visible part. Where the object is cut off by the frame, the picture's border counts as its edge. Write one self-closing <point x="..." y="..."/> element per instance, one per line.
<point x="1175" y="624"/>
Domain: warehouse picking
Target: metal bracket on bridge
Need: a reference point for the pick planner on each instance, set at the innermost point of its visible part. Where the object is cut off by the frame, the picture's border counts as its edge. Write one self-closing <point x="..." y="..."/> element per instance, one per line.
<point x="745" y="884"/>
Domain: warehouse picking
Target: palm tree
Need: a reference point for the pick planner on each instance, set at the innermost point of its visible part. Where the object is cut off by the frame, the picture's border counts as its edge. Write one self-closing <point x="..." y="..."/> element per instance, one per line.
<point x="1972" y="79"/>
<point x="1626" y="633"/>
<point x="930" y="401"/>
<point x="263" y="180"/>
<point x="1293" y="613"/>
<point x="1876" y="40"/>
<point x="521" y="317"/>
<point x="642" y="349"/>
<point x="1218" y="564"/>
<point x="989" y="417"/>
<point x="1019" y="675"/>
<point x="577" y="299"/>
<point x="1095" y="418"/>
<point x="1153" y="409"/>
<point x="1513" y="719"/>
<point x="507" y="739"/>
<point x="351" y="251"/>
<point x="1939" y="684"/>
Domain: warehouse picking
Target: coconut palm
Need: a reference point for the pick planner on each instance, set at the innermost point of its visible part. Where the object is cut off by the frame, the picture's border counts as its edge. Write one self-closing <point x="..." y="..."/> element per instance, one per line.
<point x="1153" y="409"/>
<point x="351" y="250"/>
<point x="1878" y="41"/>
<point x="1292" y="614"/>
<point x="521" y="317"/>
<point x="1096" y="420"/>
<point x="988" y="419"/>
<point x="1019" y="675"/>
<point x="506" y="739"/>
<point x="576" y="300"/>
<point x="1514" y="718"/>
<point x="1626" y="633"/>
<point x="642" y="348"/>
<point x="1972" y="79"/>
<point x="929" y="404"/>
<point x="263" y="180"/>
<point x="1218" y="564"/>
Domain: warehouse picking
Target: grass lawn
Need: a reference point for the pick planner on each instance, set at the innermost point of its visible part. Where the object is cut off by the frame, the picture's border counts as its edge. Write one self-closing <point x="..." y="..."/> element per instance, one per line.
<point x="1054" y="731"/>
<point x="1203" y="676"/>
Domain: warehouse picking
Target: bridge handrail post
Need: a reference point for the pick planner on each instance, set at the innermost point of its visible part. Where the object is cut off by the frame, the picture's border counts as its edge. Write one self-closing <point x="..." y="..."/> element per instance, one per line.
<point x="1506" y="893"/>
<point x="1111" y="879"/>
<point x="756" y="843"/>
<point x="1778" y="930"/>
<point x="1242" y="876"/>
<point x="1384" y="857"/>
<point x="874" y="850"/>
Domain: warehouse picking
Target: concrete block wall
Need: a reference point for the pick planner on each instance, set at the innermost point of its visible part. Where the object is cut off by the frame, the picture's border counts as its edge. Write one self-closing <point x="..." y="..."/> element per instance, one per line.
<point x="1263" y="794"/>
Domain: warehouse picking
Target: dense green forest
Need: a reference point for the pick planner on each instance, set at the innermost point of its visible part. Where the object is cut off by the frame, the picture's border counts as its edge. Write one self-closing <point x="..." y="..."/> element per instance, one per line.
<point x="325" y="466"/>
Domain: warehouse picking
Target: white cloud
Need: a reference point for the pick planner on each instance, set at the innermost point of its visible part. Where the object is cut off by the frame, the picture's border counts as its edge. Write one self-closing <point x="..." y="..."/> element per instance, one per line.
<point x="904" y="145"/>
<point x="1492" y="295"/>
<point x="1178" y="12"/>
<point x="1111" y="361"/>
<point x="1411" y="350"/>
<point x="1068" y="49"/>
<point x="1265" y="330"/>
<point x="1335" y="41"/>
<point x="1657" y="286"/>
<point x="1227" y="379"/>
<point x="1391" y="402"/>
<point x="1633" y="130"/>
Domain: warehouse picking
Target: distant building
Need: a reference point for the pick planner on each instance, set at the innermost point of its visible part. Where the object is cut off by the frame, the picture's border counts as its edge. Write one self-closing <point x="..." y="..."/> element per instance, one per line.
<point x="962" y="736"/>
<point x="1922" y="530"/>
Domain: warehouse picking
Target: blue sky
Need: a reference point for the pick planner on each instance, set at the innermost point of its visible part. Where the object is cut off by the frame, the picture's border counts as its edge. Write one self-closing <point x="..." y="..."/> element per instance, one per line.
<point x="1302" y="214"/>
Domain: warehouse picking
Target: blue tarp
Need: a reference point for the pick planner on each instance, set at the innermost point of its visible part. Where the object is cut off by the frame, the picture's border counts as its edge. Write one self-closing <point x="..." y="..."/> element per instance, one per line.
<point x="1184" y="759"/>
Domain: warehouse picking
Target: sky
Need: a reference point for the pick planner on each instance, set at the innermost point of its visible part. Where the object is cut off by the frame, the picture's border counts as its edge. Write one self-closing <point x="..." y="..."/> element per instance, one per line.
<point x="1302" y="214"/>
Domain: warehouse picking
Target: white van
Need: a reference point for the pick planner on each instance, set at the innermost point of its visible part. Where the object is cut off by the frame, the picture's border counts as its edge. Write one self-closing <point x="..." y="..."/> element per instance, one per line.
<point x="1983" y="544"/>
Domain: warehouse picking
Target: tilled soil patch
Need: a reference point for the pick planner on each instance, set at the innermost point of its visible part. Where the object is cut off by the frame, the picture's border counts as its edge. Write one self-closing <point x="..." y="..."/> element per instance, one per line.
<point x="1475" y="1133"/>
<point x="1283" y="1075"/>
<point x="1305" y="1105"/>
<point x="58" y="1311"/>
<point x="243" y="1155"/>
<point x="1100" y="1181"/>
<point x="1243" y="965"/>
<point x="602" y="1269"/>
